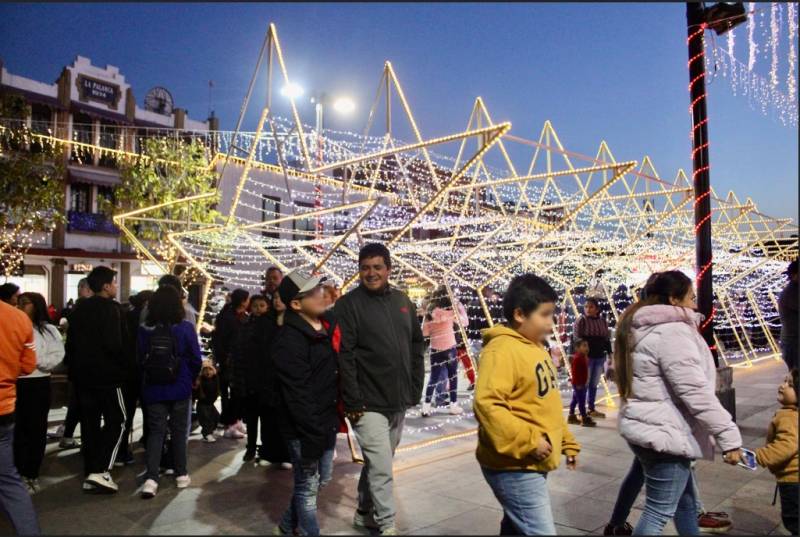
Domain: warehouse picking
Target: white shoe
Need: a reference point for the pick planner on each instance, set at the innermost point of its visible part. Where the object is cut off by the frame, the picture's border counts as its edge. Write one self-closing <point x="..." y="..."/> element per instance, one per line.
<point x="335" y="454"/>
<point x="241" y="427"/>
<point x="286" y="466"/>
<point x="426" y="410"/>
<point x="233" y="433"/>
<point x="183" y="481"/>
<point x="209" y="438"/>
<point x="455" y="409"/>
<point x="149" y="489"/>
<point x="103" y="482"/>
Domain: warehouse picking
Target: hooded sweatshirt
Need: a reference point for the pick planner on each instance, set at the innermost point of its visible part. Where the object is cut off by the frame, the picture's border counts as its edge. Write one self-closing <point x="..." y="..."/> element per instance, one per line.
<point x="517" y="401"/>
<point x="672" y="407"/>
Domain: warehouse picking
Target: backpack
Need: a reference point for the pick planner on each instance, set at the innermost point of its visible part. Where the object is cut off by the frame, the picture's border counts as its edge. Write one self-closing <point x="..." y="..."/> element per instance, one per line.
<point x="161" y="363"/>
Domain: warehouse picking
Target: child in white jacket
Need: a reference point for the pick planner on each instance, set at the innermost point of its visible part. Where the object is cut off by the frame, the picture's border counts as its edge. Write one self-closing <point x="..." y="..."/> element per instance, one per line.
<point x="33" y="392"/>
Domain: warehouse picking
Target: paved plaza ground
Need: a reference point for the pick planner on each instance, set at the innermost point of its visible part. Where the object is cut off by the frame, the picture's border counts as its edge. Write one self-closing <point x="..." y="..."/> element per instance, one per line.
<point x="439" y="488"/>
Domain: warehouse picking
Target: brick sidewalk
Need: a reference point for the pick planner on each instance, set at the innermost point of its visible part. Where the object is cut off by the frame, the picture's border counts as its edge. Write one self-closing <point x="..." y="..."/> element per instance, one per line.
<point x="439" y="489"/>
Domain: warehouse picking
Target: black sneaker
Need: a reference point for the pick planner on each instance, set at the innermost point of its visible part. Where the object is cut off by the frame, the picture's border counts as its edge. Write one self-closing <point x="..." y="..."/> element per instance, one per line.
<point x="625" y="529"/>
<point x="588" y="422"/>
<point x="124" y="459"/>
<point x="249" y="455"/>
<point x="573" y="419"/>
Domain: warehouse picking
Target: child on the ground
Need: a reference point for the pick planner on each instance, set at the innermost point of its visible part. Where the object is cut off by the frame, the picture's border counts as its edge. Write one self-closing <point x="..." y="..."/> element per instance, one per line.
<point x="779" y="455"/>
<point x="580" y="378"/>
<point x="306" y="364"/>
<point x="207" y="392"/>
<point x="592" y="327"/>
<point x="522" y="431"/>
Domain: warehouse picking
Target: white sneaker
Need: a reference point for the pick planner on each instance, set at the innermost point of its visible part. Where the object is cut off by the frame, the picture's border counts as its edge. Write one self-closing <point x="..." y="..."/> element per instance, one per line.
<point x="286" y="466"/>
<point x="455" y="409"/>
<point x="262" y="462"/>
<point x="233" y="433"/>
<point x="426" y="410"/>
<point x="103" y="482"/>
<point x="88" y="487"/>
<point x="149" y="489"/>
<point x="209" y="438"/>
<point x="241" y="427"/>
<point x="182" y="481"/>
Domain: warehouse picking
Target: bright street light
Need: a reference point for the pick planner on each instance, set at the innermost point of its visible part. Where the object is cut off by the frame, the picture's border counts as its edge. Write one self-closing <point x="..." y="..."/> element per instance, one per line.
<point x="344" y="105"/>
<point x="292" y="90"/>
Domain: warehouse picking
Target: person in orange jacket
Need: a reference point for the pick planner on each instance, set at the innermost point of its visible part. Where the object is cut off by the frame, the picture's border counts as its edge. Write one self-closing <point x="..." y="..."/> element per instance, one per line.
<point x="17" y="357"/>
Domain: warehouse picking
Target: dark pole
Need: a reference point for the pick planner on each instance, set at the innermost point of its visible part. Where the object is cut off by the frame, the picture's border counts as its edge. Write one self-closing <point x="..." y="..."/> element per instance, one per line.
<point x="700" y="163"/>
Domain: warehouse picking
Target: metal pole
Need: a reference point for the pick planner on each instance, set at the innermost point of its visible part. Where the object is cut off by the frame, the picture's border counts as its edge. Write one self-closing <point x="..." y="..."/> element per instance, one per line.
<point x="700" y="163"/>
<point x="317" y="186"/>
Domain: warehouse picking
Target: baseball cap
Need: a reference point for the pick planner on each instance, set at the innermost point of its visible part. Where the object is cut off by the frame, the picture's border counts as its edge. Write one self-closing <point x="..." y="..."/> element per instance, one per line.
<point x="298" y="281"/>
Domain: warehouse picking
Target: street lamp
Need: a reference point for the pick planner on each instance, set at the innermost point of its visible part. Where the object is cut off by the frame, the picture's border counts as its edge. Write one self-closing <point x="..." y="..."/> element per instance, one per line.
<point x="292" y="90"/>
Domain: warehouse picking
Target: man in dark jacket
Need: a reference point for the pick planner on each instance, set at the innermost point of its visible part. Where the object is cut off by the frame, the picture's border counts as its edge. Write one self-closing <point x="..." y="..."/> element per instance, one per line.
<point x="382" y="369"/>
<point x="99" y="364"/>
<point x="305" y="361"/>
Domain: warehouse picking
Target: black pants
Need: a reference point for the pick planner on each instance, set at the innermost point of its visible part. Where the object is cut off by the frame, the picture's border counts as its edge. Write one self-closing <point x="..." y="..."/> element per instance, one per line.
<point x="73" y="413"/>
<point x="208" y="416"/>
<point x="273" y="448"/>
<point x="255" y="410"/>
<point x="130" y="394"/>
<point x="30" y="431"/>
<point x="789" y="492"/>
<point x="101" y="445"/>
<point x="225" y="397"/>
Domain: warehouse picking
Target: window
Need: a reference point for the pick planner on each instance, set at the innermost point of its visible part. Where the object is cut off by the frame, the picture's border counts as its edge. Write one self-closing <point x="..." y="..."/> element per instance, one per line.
<point x="82" y="132"/>
<point x="109" y="137"/>
<point x="270" y="209"/>
<point x="104" y="193"/>
<point x="41" y="118"/>
<point x="306" y="225"/>
<point x="79" y="197"/>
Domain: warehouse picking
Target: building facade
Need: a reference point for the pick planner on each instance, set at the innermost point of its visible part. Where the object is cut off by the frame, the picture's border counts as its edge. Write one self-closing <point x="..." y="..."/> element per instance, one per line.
<point x="94" y="107"/>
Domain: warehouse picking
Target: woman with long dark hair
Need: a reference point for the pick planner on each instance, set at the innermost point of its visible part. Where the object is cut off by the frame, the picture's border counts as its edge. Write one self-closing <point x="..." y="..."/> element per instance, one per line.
<point x="168" y="397"/>
<point x="670" y="415"/>
<point x="33" y="392"/>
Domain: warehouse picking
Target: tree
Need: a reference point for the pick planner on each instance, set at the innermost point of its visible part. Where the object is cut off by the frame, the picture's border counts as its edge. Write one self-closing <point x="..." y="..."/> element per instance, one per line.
<point x="170" y="169"/>
<point x="31" y="175"/>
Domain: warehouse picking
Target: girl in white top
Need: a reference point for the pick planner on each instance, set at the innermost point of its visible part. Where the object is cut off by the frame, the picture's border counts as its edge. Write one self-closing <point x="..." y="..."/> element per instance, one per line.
<point x="33" y="392"/>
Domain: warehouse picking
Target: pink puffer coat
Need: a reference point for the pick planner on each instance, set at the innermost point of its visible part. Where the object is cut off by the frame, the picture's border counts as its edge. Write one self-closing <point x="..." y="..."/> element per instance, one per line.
<point x="673" y="408"/>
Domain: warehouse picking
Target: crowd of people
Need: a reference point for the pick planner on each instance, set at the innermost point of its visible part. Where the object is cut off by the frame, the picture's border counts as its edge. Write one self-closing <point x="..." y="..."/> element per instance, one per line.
<point x="296" y="364"/>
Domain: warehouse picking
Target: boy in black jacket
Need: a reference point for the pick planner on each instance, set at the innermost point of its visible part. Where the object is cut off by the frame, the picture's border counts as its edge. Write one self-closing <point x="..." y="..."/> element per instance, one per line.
<point x="305" y="362"/>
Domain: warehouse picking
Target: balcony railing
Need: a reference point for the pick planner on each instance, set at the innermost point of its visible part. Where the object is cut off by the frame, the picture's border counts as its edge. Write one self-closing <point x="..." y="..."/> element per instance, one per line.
<point x="90" y="223"/>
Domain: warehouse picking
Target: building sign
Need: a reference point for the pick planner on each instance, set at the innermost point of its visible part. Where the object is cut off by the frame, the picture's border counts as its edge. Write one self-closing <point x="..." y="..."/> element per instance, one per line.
<point x="81" y="267"/>
<point x="93" y="89"/>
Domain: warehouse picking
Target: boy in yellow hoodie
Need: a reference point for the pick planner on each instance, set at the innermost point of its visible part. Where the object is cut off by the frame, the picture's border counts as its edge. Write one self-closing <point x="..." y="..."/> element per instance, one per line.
<point x="522" y="431"/>
<point x="780" y="452"/>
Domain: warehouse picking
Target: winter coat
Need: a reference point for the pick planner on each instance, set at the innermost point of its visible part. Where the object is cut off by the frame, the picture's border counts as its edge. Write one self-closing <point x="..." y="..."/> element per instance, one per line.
<point x="305" y="362"/>
<point x="381" y="360"/>
<point x="223" y="339"/>
<point x="257" y="367"/>
<point x="49" y="350"/>
<point x="672" y="407"/>
<point x="780" y="452"/>
<point x="440" y="327"/>
<point x="97" y="353"/>
<point x="17" y="355"/>
<point x="188" y="349"/>
<point x="580" y="369"/>
<point x="517" y="402"/>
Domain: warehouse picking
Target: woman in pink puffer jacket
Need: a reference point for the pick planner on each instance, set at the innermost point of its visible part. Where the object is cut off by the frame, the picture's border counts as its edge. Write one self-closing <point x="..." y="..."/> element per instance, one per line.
<point x="670" y="415"/>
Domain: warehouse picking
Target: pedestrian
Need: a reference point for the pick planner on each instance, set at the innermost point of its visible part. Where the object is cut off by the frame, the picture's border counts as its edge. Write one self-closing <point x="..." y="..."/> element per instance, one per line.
<point x="99" y="364"/>
<point x="33" y="392"/>
<point x="132" y="391"/>
<point x="305" y="361"/>
<point x="206" y="393"/>
<point x="787" y="307"/>
<point x="272" y="279"/>
<point x="9" y="293"/>
<point x="579" y="369"/>
<point x="593" y="328"/>
<point x="228" y="322"/>
<point x="381" y="366"/>
<point x="670" y="414"/>
<point x="17" y="357"/>
<point x="175" y="282"/>
<point x="522" y="431"/>
<point x="438" y="326"/>
<point x="169" y="355"/>
<point x="780" y="452"/>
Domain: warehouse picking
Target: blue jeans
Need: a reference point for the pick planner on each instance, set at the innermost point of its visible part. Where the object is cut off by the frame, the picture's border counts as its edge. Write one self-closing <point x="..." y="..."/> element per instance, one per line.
<point x="790" y="351"/>
<point x="525" y="501"/>
<point x="308" y="478"/>
<point x="579" y="399"/>
<point x="443" y="363"/>
<point x="14" y="499"/>
<point x="596" y="368"/>
<point x="670" y="493"/>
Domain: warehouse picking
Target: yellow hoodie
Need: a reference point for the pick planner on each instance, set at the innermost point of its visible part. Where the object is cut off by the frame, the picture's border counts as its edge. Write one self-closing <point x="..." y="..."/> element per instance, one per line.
<point x="517" y="400"/>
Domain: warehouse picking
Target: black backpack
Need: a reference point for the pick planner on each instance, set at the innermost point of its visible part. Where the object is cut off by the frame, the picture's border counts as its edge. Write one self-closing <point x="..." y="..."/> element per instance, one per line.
<point x="161" y="362"/>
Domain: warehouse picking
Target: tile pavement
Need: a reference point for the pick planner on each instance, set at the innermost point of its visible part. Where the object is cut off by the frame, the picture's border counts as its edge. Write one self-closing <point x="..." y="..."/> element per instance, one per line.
<point x="439" y="489"/>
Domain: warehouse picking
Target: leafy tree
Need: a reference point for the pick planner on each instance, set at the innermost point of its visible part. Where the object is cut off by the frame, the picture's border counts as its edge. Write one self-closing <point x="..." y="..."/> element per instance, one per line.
<point x="31" y="187"/>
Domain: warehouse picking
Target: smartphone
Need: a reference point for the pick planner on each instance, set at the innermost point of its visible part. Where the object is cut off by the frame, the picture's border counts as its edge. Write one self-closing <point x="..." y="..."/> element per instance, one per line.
<point x="748" y="460"/>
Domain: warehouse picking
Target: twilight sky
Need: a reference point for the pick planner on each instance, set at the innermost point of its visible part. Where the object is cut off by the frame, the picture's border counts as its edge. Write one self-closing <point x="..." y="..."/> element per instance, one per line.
<point x="614" y="72"/>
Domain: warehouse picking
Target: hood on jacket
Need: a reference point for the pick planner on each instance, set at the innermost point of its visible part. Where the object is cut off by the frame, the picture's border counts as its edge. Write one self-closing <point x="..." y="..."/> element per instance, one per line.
<point x="501" y="330"/>
<point x="662" y="313"/>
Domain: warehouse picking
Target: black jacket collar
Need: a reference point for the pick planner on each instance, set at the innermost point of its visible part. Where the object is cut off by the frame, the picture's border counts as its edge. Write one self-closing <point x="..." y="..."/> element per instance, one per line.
<point x="293" y="319"/>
